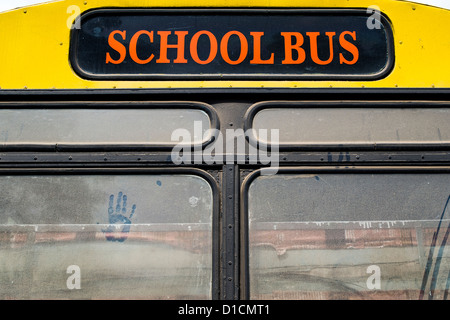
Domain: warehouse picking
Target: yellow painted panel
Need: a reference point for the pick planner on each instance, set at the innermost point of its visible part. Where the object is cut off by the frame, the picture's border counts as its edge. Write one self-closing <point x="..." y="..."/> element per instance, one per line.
<point x="34" y="50"/>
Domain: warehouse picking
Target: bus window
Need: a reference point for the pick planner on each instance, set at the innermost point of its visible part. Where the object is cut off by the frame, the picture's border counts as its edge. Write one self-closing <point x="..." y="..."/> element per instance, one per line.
<point x="105" y="237"/>
<point x="124" y="127"/>
<point x="304" y="125"/>
<point x="349" y="236"/>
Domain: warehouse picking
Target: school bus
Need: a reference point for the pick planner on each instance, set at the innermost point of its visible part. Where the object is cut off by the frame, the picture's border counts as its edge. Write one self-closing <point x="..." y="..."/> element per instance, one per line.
<point x="225" y="150"/>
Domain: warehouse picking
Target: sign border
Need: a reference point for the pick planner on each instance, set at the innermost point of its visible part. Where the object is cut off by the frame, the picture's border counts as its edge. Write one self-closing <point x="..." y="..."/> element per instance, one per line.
<point x="74" y="40"/>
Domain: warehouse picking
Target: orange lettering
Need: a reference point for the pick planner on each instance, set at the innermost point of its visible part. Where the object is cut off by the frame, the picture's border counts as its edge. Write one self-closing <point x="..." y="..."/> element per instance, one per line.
<point x="133" y="46"/>
<point x="289" y="47"/>
<point x="194" y="46"/>
<point x="181" y="35"/>
<point x="116" y="45"/>
<point x="224" y="47"/>
<point x="313" y="43"/>
<point x="350" y="47"/>
<point x="257" y="50"/>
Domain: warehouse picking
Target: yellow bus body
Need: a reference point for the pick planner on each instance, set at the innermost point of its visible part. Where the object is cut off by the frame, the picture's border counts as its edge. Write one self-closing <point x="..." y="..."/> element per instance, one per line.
<point x="34" y="50"/>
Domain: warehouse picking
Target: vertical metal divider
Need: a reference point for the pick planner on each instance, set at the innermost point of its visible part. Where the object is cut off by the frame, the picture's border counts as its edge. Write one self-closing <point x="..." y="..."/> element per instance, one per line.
<point x="230" y="233"/>
<point x="237" y="232"/>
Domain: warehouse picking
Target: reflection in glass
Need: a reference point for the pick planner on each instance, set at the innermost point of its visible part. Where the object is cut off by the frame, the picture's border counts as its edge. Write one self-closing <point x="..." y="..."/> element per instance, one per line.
<point x="99" y="126"/>
<point x="349" y="236"/>
<point x="332" y="126"/>
<point x="131" y="236"/>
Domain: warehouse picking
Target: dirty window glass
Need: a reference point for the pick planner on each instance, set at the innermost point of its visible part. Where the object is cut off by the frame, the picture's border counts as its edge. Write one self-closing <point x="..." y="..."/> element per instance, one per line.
<point x="355" y="125"/>
<point x="100" y="126"/>
<point x="349" y="236"/>
<point x="105" y="237"/>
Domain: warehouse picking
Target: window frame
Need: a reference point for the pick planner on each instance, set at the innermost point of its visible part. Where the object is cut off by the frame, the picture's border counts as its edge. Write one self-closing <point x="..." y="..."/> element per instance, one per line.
<point x="247" y="181"/>
<point x="215" y="226"/>
<point x="110" y="105"/>
<point x="230" y="105"/>
<point x="348" y="104"/>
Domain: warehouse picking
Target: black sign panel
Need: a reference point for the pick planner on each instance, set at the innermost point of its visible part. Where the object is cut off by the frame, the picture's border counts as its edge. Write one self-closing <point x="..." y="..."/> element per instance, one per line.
<point x="211" y="44"/>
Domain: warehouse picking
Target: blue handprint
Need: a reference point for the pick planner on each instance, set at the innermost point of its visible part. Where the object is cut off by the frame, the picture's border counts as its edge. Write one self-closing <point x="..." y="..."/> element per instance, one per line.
<point x="118" y="217"/>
